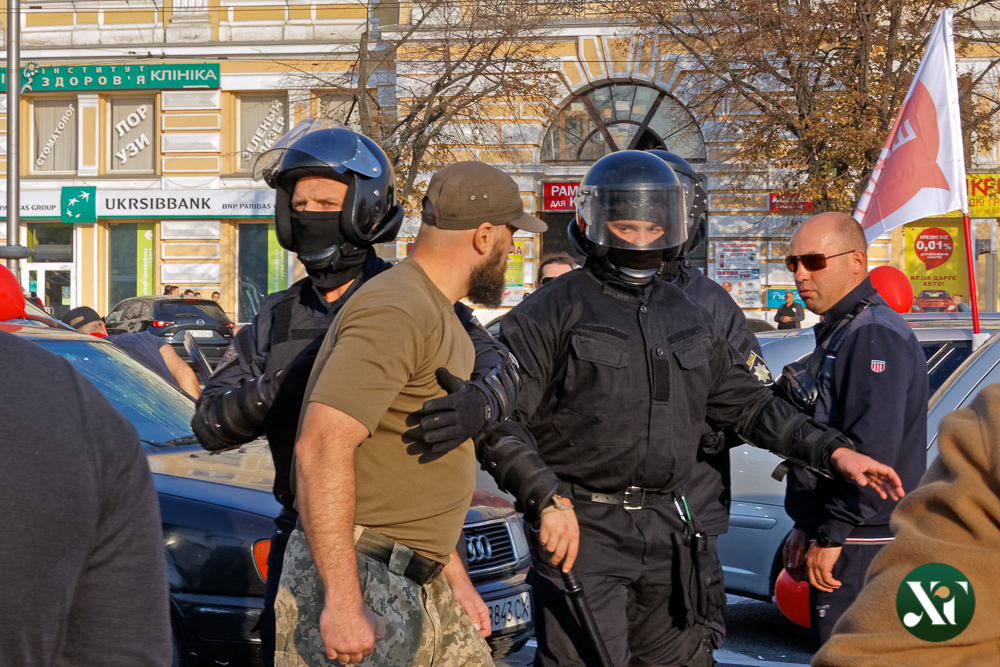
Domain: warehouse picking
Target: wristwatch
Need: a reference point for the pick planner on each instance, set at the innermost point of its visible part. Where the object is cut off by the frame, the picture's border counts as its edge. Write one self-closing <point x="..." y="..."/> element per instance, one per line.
<point x="825" y="542"/>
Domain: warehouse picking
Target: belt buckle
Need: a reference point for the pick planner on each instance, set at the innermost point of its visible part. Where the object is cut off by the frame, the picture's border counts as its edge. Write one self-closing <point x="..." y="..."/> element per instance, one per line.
<point x="631" y="504"/>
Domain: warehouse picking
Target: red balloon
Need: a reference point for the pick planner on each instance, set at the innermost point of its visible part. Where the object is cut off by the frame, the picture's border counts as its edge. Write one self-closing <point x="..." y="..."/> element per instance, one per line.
<point x="793" y="599"/>
<point x="893" y="286"/>
<point x="11" y="296"/>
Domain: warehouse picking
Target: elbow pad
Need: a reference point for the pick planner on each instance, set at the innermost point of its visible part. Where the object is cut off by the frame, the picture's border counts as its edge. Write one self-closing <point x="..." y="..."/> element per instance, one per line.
<point x="236" y="417"/>
<point x="508" y="453"/>
<point x="500" y="386"/>
<point x="811" y="444"/>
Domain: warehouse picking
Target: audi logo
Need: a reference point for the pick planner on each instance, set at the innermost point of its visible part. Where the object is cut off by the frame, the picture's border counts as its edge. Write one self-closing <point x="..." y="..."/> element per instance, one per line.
<point x="478" y="548"/>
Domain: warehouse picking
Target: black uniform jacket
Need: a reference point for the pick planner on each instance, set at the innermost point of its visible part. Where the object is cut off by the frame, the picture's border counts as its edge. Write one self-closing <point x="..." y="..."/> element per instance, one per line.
<point x="877" y="396"/>
<point x="618" y="383"/>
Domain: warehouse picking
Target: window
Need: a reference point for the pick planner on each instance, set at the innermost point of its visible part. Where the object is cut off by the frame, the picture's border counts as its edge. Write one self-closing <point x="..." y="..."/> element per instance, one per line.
<point x="133" y="134"/>
<point x="339" y="106"/>
<point x="131" y="263"/>
<point x="53" y="146"/>
<point x="51" y="241"/>
<point x="619" y="117"/>
<point x="263" y="120"/>
<point x="263" y="268"/>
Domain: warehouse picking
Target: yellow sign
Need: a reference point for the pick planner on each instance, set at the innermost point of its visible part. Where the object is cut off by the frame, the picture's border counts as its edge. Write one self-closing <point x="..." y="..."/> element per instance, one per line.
<point x="935" y="264"/>
<point x="514" y="277"/>
<point x="984" y="197"/>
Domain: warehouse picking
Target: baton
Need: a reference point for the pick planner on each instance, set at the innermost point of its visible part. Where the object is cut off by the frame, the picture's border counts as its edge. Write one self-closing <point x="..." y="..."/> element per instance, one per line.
<point x="574" y="591"/>
<point x="198" y="357"/>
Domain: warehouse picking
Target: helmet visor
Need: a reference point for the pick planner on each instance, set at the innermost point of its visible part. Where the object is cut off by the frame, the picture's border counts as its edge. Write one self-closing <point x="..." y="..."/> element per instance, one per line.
<point x="634" y="218"/>
<point x="339" y="148"/>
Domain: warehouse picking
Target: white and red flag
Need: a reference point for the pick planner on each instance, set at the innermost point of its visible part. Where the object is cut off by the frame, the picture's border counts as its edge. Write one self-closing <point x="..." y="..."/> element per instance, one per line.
<point x="921" y="170"/>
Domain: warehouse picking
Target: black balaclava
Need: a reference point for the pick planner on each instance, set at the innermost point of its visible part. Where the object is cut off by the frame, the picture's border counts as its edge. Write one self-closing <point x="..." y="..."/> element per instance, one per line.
<point x="343" y="262"/>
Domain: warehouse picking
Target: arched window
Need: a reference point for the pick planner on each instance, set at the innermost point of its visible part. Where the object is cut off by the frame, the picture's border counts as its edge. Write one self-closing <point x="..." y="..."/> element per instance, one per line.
<point x="617" y="117"/>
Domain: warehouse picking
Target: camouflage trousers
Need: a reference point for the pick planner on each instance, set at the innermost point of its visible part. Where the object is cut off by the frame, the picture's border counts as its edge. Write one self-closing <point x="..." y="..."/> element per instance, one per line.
<point x="425" y="626"/>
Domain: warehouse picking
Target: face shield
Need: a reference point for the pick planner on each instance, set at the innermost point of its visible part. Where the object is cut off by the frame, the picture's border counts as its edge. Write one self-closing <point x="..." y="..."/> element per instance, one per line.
<point x="633" y="217"/>
<point x="319" y="143"/>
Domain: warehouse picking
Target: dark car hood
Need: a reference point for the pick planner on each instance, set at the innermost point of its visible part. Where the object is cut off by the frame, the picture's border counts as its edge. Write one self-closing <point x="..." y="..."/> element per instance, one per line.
<point x="240" y="479"/>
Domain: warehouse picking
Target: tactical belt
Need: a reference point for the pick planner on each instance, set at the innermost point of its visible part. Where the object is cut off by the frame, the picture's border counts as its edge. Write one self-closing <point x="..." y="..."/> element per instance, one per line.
<point x="631" y="498"/>
<point x="401" y="559"/>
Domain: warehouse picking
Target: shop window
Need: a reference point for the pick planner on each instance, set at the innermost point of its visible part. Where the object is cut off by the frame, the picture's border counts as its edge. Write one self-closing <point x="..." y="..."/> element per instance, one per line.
<point x="51" y="241"/>
<point x="263" y="119"/>
<point x="133" y="134"/>
<point x="339" y="106"/>
<point x="263" y="268"/>
<point x="622" y="117"/>
<point x="131" y="265"/>
<point x="53" y="145"/>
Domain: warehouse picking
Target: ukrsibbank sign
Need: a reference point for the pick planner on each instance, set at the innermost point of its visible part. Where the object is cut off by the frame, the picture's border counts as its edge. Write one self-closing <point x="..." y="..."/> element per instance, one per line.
<point x="131" y="204"/>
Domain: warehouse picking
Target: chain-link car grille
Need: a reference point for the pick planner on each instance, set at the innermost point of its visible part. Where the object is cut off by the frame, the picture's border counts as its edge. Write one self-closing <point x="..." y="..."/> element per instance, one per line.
<point x="489" y="546"/>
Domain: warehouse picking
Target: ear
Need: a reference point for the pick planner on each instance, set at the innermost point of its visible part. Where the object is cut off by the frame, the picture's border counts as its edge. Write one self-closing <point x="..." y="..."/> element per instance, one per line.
<point x="482" y="238"/>
<point x="860" y="259"/>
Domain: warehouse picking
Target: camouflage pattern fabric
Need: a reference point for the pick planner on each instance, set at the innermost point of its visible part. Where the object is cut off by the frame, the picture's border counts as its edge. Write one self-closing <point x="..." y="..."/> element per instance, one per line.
<point x="425" y="626"/>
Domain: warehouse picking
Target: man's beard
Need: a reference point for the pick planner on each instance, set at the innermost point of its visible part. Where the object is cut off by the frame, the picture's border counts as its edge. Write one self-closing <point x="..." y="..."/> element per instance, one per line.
<point x="487" y="280"/>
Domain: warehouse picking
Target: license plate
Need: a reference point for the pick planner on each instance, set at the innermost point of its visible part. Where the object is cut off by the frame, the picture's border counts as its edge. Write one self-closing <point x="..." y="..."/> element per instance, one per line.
<point x="510" y="611"/>
<point x="200" y="333"/>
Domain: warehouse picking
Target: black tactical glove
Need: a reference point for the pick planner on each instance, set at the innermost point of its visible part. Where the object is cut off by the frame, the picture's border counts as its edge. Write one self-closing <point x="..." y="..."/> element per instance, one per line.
<point x="451" y="420"/>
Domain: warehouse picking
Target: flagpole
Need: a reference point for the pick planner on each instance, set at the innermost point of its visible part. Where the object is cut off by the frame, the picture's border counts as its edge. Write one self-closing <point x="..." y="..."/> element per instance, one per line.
<point x="969" y="265"/>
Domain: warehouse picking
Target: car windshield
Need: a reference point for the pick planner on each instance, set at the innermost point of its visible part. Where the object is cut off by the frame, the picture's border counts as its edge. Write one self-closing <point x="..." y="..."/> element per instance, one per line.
<point x="176" y="310"/>
<point x="159" y="412"/>
<point x="933" y="294"/>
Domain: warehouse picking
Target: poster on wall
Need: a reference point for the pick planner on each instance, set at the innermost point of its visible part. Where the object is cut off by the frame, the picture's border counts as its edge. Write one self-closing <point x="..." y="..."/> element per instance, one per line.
<point x="935" y="264"/>
<point x="513" y="292"/>
<point x="277" y="263"/>
<point x="737" y="269"/>
<point x="144" y="259"/>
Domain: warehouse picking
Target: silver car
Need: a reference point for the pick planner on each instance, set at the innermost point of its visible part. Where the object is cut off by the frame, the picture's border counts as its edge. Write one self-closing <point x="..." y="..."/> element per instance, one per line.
<point x="758" y="525"/>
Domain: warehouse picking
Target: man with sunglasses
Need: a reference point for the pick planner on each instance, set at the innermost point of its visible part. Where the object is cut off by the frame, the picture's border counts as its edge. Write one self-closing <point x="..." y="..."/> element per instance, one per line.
<point x="871" y="377"/>
<point x="789" y="315"/>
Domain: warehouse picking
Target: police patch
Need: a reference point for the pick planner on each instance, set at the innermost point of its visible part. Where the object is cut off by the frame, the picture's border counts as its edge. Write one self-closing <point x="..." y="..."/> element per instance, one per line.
<point x="760" y="370"/>
<point x="878" y="366"/>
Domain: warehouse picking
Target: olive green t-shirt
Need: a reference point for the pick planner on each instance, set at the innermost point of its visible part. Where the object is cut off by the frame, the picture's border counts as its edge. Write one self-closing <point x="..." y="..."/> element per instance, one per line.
<point x="377" y="365"/>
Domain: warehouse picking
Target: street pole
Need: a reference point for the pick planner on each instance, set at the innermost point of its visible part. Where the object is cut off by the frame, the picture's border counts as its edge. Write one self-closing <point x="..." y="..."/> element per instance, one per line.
<point x="13" y="252"/>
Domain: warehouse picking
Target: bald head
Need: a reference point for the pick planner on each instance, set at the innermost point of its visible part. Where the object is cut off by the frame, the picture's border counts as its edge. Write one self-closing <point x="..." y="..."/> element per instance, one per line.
<point x="841" y="241"/>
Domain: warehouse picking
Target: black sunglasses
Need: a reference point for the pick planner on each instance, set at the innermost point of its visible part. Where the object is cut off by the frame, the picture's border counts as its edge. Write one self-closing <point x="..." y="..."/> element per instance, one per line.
<point x="813" y="262"/>
<point x="546" y="280"/>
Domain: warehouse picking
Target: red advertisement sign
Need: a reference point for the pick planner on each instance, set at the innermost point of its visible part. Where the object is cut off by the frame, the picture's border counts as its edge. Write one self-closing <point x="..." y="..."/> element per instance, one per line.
<point x="933" y="247"/>
<point x="781" y="202"/>
<point x="559" y="196"/>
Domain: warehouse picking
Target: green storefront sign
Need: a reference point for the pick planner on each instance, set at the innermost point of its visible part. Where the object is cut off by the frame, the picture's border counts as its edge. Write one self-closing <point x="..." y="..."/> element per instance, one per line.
<point x="277" y="263"/>
<point x="115" y="77"/>
<point x="144" y="259"/>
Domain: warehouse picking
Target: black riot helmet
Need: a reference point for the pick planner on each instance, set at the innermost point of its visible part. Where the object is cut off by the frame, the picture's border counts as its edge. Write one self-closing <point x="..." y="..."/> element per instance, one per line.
<point x="332" y="244"/>
<point x="630" y="215"/>
<point x="696" y="196"/>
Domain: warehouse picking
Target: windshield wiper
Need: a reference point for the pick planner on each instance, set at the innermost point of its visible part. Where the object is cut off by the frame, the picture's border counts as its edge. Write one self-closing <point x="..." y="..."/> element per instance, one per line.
<point x="176" y="442"/>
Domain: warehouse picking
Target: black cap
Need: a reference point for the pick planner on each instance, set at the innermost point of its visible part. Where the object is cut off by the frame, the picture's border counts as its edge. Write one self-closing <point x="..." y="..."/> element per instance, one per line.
<point x="81" y="316"/>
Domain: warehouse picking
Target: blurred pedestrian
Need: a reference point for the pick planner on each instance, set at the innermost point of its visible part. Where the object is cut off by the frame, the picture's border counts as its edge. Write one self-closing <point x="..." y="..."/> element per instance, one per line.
<point x="959" y="305"/>
<point x="216" y="296"/>
<point x="871" y="377"/>
<point x="85" y="580"/>
<point x="553" y="267"/>
<point x="188" y="293"/>
<point x="171" y="290"/>
<point x="790" y="314"/>
<point x="151" y="351"/>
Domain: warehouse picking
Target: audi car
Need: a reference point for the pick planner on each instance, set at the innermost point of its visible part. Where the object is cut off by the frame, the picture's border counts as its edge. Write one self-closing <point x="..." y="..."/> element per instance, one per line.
<point x="171" y="318"/>
<point x="217" y="514"/>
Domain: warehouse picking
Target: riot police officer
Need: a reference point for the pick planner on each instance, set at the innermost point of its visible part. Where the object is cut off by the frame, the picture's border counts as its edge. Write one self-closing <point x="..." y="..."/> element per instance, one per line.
<point x="709" y="486"/>
<point x="334" y="199"/>
<point x="620" y="372"/>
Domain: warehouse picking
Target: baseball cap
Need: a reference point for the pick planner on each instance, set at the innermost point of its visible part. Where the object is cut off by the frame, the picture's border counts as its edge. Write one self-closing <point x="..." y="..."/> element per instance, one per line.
<point x="78" y="317"/>
<point x="464" y="195"/>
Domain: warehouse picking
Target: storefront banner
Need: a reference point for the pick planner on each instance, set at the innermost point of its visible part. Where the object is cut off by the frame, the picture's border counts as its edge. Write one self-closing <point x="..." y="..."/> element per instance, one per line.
<point x="35" y="205"/>
<point x="776" y="298"/>
<point x="742" y="284"/>
<point x="144" y="259"/>
<point x="115" y="77"/>
<point x="737" y="255"/>
<point x="184" y="204"/>
<point x="277" y="263"/>
<point x="935" y="260"/>
<point x="513" y="292"/>
<point x="559" y="196"/>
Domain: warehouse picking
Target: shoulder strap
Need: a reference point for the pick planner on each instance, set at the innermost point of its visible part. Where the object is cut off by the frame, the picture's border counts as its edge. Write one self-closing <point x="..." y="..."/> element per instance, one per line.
<point x="281" y="324"/>
<point x="835" y="337"/>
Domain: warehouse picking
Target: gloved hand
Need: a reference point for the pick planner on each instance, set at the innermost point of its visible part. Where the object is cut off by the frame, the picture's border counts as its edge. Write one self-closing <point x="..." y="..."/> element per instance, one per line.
<point x="451" y="420"/>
